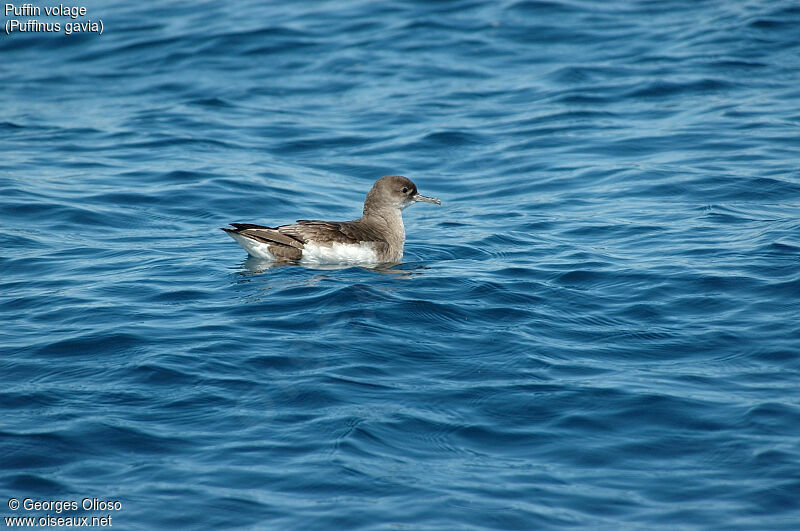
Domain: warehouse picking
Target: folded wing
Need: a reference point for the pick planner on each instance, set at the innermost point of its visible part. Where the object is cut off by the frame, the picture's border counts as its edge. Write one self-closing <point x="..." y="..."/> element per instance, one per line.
<point x="286" y="242"/>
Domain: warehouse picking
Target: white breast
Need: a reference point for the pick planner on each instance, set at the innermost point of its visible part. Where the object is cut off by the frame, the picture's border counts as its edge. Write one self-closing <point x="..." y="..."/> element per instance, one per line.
<point x="339" y="253"/>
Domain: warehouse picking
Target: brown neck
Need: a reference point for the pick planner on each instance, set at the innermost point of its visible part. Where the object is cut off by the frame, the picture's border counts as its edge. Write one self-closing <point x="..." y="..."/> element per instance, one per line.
<point x="388" y="222"/>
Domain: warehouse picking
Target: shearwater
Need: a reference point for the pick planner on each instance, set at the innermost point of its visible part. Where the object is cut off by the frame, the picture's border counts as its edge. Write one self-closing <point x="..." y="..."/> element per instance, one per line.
<point x="376" y="237"/>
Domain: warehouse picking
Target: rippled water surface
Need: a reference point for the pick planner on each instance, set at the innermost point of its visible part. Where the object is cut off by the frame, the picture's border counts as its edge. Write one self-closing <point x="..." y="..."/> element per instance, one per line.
<point x="600" y="327"/>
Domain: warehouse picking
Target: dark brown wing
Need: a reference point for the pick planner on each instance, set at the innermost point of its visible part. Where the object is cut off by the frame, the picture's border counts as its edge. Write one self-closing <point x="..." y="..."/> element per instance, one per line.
<point x="318" y="231"/>
<point x="281" y="246"/>
<point x="242" y="226"/>
<point x="287" y="241"/>
<point x="264" y="234"/>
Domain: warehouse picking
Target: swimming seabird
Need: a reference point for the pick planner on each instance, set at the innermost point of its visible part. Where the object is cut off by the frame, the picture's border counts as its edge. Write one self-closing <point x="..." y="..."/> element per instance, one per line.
<point x="376" y="237"/>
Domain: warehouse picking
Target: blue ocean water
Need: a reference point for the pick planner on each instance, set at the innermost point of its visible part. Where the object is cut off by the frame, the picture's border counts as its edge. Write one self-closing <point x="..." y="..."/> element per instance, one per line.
<point x="599" y="328"/>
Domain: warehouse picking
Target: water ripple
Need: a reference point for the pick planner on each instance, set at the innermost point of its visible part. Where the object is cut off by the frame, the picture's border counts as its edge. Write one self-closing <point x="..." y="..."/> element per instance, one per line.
<point x="607" y="296"/>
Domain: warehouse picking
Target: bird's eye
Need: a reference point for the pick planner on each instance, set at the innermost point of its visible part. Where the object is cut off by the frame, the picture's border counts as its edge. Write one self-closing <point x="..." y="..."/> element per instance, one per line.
<point x="404" y="190"/>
